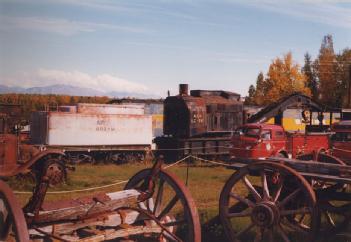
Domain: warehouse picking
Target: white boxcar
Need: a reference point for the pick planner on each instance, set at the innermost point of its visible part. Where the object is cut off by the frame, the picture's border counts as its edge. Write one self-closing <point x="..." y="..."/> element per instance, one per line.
<point x="82" y="129"/>
<point x="92" y="108"/>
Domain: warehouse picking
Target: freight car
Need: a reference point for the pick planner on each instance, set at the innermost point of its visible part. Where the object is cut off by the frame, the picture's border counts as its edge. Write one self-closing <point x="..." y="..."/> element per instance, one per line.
<point x="200" y="123"/>
<point x="94" y="132"/>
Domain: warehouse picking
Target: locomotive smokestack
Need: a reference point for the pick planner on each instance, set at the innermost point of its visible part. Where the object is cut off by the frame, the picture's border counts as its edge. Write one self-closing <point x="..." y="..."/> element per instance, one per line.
<point x="183" y="89"/>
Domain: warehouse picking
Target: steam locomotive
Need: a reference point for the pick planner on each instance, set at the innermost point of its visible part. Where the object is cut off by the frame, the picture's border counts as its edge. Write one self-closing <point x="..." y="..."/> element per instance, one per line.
<point x="199" y="123"/>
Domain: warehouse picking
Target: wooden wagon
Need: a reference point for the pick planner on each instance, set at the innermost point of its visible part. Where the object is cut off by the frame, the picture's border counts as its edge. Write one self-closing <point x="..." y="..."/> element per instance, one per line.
<point x="280" y="199"/>
<point x="155" y="205"/>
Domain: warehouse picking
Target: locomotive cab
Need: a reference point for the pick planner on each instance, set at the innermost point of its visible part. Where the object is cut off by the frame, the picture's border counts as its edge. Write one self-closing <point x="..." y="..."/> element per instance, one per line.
<point x="199" y="123"/>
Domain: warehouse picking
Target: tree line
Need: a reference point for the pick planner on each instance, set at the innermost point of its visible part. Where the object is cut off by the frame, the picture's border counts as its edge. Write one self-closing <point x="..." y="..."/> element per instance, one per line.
<point x="38" y="102"/>
<point x="325" y="79"/>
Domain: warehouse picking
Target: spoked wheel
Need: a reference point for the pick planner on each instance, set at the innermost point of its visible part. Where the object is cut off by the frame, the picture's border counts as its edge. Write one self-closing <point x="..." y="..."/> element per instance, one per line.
<point x="333" y="200"/>
<point x="171" y="207"/>
<point x="13" y="226"/>
<point x="267" y="201"/>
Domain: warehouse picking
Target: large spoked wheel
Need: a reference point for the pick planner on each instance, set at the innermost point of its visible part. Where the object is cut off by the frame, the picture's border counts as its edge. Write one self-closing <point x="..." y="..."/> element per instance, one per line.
<point x="171" y="206"/>
<point x="267" y="201"/>
<point x="13" y="226"/>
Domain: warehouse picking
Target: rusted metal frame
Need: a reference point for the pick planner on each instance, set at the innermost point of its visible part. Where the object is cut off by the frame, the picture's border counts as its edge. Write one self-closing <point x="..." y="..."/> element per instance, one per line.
<point x="15" y="213"/>
<point x="32" y="208"/>
<point x="28" y="164"/>
<point x="156" y="220"/>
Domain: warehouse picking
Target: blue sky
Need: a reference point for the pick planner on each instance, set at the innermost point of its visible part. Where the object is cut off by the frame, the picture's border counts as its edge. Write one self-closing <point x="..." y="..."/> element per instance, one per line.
<point x="151" y="46"/>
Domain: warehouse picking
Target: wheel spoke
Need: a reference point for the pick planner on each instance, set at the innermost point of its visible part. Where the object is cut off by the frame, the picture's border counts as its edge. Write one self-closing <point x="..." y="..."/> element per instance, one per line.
<point x="294" y="226"/>
<point x="279" y="190"/>
<point x="265" y="186"/>
<point x="259" y="234"/>
<point x="330" y="220"/>
<point x="169" y="206"/>
<point x="241" y="214"/>
<point x="245" y="230"/>
<point x="242" y="199"/>
<point x="303" y="210"/>
<point x="252" y="190"/>
<point x="282" y="233"/>
<point x="159" y="196"/>
<point x="171" y="236"/>
<point x="290" y="197"/>
<point x="174" y="223"/>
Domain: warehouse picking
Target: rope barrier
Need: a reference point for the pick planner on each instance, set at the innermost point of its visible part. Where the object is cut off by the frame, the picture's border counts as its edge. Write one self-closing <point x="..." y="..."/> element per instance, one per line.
<point x="100" y="187"/>
<point x="79" y="190"/>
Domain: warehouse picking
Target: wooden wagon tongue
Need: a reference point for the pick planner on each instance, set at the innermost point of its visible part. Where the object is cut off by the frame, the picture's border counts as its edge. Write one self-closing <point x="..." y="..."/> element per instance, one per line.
<point x="37" y="211"/>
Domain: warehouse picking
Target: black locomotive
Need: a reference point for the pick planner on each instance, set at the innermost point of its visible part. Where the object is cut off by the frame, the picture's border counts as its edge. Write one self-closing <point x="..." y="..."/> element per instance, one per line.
<point x="200" y="123"/>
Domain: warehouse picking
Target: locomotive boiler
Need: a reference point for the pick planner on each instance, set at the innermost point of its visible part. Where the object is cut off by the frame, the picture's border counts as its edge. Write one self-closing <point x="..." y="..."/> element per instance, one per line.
<point x="199" y="123"/>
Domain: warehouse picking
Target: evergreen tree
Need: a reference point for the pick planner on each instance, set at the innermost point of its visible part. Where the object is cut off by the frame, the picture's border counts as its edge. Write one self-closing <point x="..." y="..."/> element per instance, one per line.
<point x="261" y="89"/>
<point x="310" y="74"/>
<point x="250" y="99"/>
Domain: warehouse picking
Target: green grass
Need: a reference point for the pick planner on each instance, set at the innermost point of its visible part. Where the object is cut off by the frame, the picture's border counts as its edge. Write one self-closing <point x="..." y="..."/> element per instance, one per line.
<point x="205" y="184"/>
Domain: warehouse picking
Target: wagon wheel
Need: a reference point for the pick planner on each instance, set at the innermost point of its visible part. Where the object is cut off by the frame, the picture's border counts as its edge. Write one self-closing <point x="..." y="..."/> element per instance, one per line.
<point x="264" y="207"/>
<point x="55" y="170"/>
<point x="172" y="205"/>
<point x="13" y="226"/>
<point x="332" y="200"/>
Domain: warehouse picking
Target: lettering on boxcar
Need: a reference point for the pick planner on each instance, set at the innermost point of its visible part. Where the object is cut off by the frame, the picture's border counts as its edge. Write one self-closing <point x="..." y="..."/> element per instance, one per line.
<point x="102" y="125"/>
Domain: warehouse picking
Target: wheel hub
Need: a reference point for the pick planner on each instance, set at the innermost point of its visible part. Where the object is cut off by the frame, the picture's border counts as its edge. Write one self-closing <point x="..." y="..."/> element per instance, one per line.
<point x="55" y="174"/>
<point x="264" y="214"/>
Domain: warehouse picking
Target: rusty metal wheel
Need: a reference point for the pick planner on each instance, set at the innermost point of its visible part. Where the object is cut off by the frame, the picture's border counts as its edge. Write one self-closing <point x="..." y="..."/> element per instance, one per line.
<point x="172" y="205"/>
<point x="55" y="170"/>
<point x="267" y="201"/>
<point x="13" y="226"/>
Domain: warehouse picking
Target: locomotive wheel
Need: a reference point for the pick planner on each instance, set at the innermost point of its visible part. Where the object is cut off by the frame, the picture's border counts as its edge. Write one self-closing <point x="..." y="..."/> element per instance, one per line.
<point x="264" y="207"/>
<point x="54" y="169"/>
<point x="172" y="205"/>
<point x="13" y="226"/>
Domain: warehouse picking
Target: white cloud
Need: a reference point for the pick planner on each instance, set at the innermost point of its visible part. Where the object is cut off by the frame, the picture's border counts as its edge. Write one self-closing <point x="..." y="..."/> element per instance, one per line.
<point x="325" y="12"/>
<point x="59" y="25"/>
<point x="102" y="82"/>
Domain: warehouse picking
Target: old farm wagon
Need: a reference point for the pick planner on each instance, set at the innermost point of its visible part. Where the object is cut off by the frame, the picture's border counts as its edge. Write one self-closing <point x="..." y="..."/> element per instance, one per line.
<point x="155" y="206"/>
<point x="280" y="199"/>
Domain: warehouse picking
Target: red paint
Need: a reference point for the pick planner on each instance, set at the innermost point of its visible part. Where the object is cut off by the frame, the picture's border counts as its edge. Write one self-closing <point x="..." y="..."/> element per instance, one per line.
<point x="266" y="140"/>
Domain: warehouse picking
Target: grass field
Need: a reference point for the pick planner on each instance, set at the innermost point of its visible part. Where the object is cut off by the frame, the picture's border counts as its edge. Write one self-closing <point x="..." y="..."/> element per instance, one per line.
<point x="205" y="184"/>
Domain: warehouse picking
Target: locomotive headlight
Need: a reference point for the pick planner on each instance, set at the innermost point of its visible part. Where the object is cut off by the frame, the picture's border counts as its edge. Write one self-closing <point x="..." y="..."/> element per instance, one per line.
<point x="248" y="147"/>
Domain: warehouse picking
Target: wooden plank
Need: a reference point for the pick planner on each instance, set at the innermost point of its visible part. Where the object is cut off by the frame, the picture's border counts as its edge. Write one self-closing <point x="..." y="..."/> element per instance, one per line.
<point x="109" y="220"/>
<point x="109" y="234"/>
<point x="117" y="199"/>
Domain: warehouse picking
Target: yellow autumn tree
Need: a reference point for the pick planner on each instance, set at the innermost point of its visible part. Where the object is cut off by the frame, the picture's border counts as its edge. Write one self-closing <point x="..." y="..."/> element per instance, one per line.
<point x="284" y="77"/>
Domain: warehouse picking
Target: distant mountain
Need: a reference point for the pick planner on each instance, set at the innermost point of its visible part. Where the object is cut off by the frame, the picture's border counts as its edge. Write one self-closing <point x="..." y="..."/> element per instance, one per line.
<point x="61" y="89"/>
